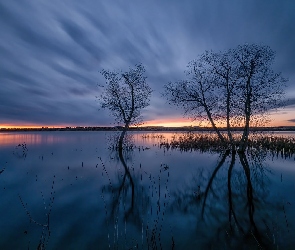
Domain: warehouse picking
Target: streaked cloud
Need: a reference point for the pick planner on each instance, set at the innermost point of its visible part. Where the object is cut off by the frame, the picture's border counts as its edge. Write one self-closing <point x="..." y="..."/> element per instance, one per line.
<point x="52" y="51"/>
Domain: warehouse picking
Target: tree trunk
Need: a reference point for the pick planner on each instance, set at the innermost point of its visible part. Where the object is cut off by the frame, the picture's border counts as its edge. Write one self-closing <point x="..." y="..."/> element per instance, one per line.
<point x="244" y="139"/>
<point x="121" y="139"/>
<point x="228" y="114"/>
<point x="120" y="143"/>
<point x="205" y="106"/>
<point x="213" y="125"/>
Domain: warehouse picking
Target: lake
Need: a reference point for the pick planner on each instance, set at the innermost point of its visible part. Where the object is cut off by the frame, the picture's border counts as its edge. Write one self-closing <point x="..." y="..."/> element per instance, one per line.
<point x="71" y="190"/>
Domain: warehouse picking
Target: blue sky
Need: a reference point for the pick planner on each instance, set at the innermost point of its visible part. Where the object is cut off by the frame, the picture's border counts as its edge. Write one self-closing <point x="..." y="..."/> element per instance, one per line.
<point x="52" y="52"/>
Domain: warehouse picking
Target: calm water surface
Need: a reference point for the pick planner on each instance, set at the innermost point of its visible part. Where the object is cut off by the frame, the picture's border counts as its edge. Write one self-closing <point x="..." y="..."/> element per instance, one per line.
<point x="70" y="190"/>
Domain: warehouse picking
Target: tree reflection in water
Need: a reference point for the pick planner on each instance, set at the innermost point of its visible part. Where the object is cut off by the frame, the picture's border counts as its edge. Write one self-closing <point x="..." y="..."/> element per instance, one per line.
<point x="135" y="204"/>
<point x="231" y="205"/>
<point x="127" y="194"/>
<point x="126" y="191"/>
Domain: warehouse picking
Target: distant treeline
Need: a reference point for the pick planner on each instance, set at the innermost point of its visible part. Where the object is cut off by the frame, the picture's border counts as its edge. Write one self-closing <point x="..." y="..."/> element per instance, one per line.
<point x="146" y="128"/>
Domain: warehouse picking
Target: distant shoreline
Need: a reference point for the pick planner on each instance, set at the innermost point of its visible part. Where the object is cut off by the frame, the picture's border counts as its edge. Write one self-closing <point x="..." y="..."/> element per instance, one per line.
<point x="147" y="128"/>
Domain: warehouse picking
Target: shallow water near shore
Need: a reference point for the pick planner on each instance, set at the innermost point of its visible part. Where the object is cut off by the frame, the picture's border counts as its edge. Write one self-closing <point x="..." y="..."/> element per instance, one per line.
<point x="70" y="190"/>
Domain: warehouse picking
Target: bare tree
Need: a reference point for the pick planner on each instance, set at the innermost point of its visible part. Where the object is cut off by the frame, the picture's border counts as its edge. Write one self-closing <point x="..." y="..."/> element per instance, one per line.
<point x="222" y="67"/>
<point x="197" y="95"/>
<point x="235" y="88"/>
<point x="259" y="88"/>
<point x="125" y="95"/>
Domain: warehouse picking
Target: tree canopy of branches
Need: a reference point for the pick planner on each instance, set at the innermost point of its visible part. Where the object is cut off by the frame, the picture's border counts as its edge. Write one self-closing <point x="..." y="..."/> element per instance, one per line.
<point x="125" y="95"/>
<point x="235" y="88"/>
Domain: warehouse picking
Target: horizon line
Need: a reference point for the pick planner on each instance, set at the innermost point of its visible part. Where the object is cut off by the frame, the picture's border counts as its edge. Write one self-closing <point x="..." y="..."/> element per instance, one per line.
<point x="131" y="127"/>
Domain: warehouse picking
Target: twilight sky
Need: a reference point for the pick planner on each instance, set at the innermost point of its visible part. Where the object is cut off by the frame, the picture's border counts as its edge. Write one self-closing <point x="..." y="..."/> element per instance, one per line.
<point x="52" y="52"/>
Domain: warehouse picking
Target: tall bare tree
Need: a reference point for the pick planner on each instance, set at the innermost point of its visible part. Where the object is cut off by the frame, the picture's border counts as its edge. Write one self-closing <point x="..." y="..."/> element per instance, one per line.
<point x="197" y="95"/>
<point x="259" y="88"/>
<point x="125" y="94"/>
<point x="235" y="88"/>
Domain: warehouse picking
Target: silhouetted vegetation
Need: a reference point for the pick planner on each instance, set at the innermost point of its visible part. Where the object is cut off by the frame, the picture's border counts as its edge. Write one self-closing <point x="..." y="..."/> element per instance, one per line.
<point x="235" y="88"/>
<point x="125" y="95"/>
<point x="204" y="142"/>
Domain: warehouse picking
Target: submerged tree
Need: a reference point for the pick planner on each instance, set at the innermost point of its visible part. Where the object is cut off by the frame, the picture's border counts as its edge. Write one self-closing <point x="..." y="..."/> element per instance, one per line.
<point x="125" y="95"/>
<point x="235" y="88"/>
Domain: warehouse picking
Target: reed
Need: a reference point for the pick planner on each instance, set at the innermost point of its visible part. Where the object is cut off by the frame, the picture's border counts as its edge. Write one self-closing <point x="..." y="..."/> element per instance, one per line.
<point x="209" y="142"/>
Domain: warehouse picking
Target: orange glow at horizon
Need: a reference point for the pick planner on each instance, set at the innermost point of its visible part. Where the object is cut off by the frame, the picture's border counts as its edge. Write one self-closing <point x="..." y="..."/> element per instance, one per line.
<point x="279" y="119"/>
<point x="276" y="121"/>
<point x="9" y="126"/>
<point x="170" y="123"/>
<point x="19" y="126"/>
